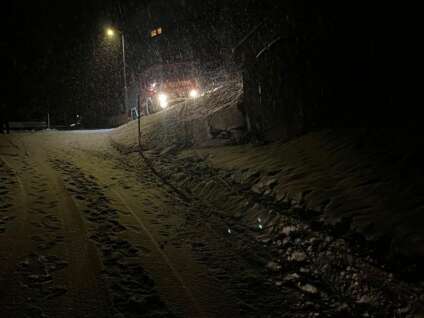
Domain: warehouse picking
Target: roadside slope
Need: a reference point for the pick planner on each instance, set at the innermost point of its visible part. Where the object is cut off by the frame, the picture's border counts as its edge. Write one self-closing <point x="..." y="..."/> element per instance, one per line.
<point x="340" y="174"/>
<point x="212" y="119"/>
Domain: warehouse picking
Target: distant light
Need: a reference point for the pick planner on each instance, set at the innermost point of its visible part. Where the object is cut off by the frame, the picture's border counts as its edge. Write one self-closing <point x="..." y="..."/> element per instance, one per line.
<point x="156" y="32"/>
<point x="163" y="100"/>
<point x="110" y="32"/>
<point x="194" y="93"/>
<point x="260" y="226"/>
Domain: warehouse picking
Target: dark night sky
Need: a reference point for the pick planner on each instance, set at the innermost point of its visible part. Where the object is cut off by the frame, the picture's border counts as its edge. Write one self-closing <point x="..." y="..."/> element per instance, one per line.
<point x="56" y="57"/>
<point x="62" y="63"/>
<point x="48" y="44"/>
<point x="50" y="48"/>
<point x="59" y="58"/>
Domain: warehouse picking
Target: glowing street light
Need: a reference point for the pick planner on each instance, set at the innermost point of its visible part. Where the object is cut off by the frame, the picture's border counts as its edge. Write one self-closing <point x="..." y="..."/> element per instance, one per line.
<point x="194" y="93"/>
<point x="110" y="32"/>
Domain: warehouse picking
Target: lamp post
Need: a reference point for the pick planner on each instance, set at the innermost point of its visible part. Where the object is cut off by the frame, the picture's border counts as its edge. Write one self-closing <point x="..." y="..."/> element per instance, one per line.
<point x="111" y="34"/>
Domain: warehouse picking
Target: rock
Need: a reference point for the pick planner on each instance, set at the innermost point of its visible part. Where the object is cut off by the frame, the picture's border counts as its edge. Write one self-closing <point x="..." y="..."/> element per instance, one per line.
<point x="403" y="311"/>
<point x="249" y="176"/>
<point x="304" y="270"/>
<point x="287" y="230"/>
<point x="235" y="176"/>
<point x="292" y="277"/>
<point x="308" y="288"/>
<point x="271" y="182"/>
<point x="365" y="299"/>
<point x="298" y="257"/>
<point x="279" y="196"/>
<point x="258" y="188"/>
<point x="227" y="119"/>
<point x="273" y="266"/>
<point x="342" y="308"/>
<point x="265" y="241"/>
<point x="297" y="198"/>
<point x="246" y="203"/>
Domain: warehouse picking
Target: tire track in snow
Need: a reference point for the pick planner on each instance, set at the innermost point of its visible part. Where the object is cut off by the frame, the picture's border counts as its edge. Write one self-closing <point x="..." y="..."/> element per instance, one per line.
<point x="130" y="286"/>
<point x="185" y="287"/>
<point x="162" y="254"/>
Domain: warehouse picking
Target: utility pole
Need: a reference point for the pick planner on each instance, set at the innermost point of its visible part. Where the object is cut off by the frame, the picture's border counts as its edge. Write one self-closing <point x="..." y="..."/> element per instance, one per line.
<point x="125" y="73"/>
<point x="139" y="121"/>
<point x="48" y="112"/>
<point x="111" y="34"/>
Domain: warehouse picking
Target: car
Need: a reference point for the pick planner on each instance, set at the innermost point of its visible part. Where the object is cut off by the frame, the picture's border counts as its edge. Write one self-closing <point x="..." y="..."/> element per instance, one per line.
<point x="166" y="84"/>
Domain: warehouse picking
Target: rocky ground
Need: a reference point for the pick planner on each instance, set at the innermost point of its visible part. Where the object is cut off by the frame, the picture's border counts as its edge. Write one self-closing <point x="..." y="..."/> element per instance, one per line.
<point x="323" y="270"/>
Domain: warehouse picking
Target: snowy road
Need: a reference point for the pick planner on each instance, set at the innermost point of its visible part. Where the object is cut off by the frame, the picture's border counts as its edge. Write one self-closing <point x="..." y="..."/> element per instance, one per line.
<point x="88" y="228"/>
<point x="85" y="235"/>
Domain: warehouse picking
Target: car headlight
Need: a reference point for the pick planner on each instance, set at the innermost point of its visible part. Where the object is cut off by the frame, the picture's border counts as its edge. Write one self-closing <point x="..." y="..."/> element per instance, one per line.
<point x="194" y="93"/>
<point x="163" y="100"/>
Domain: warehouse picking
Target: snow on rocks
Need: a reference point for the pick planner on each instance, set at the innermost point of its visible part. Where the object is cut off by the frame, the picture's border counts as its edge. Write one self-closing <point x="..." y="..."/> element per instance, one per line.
<point x="273" y="266"/>
<point x="265" y="185"/>
<point x="292" y="277"/>
<point x="324" y="266"/>
<point x="287" y="230"/>
<point x="308" y="288"/>
<point x="297" y="256"/>
<point x="306" y="255"/>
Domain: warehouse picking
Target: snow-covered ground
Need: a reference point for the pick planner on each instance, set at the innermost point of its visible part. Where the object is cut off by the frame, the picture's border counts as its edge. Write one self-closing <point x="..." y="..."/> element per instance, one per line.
<point x="336" y="180"/>
<point x="89" y="227"/>
<point x="212" y="119"/>
<point x="338" y="174"/>
<point x="88" y="232"/>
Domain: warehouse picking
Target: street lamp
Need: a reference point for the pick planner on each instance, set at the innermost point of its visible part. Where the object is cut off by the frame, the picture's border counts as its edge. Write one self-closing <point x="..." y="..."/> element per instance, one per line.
<point x="111" y="34"/>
